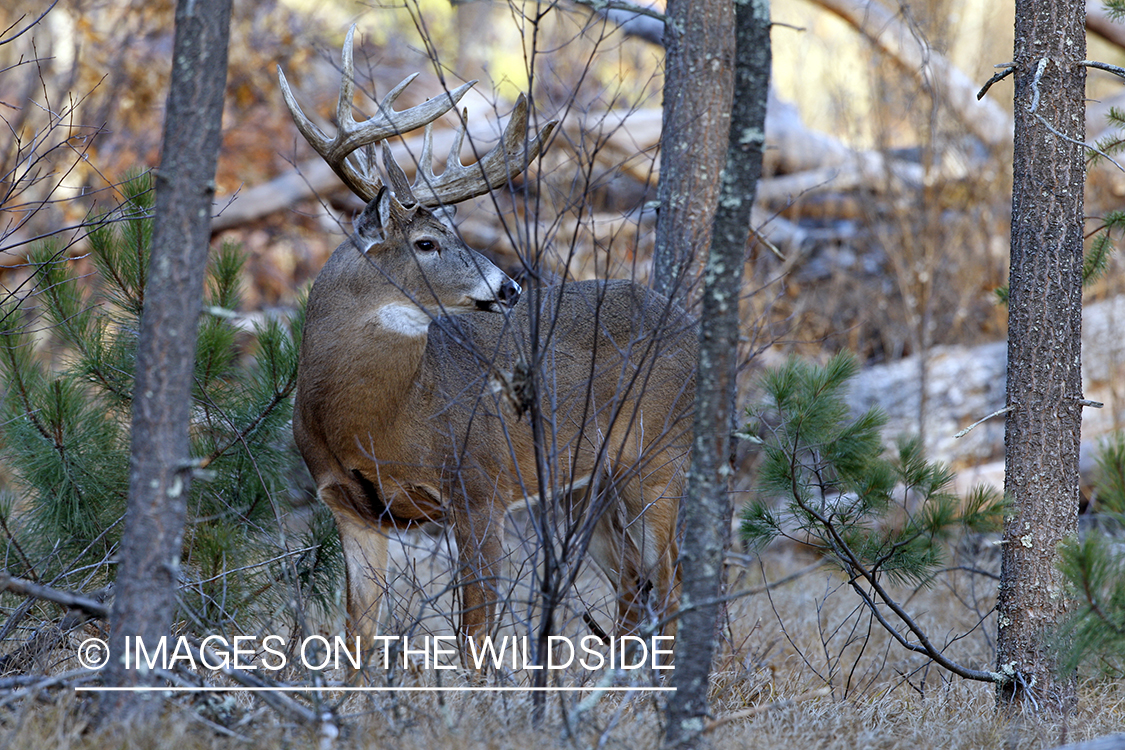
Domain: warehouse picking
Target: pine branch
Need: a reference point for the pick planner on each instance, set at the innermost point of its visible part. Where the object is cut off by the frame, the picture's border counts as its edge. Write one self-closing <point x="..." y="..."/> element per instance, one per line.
<point x="817" y="442"/>
<point x="278" y="398"/>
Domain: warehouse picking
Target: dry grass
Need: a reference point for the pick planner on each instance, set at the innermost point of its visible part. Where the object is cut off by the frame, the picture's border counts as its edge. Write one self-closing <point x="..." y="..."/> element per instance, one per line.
<point x="799" y="667"/>
<point x="958" y="715"/>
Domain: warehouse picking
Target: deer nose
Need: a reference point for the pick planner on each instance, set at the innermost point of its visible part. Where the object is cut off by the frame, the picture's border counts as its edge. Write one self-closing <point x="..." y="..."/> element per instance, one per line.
<point x="509" y="293"/>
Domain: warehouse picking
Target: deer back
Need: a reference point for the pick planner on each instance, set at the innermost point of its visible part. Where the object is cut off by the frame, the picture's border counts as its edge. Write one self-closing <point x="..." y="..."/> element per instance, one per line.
<point x="609" y="367"/>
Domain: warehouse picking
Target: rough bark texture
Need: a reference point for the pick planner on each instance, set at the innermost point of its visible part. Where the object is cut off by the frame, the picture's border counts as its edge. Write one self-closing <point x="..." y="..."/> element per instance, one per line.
<point x="698" y="76"/>
<point x="159" y="474"/>
<point x="1044" y="346"/>
<point x="706" y="508"/>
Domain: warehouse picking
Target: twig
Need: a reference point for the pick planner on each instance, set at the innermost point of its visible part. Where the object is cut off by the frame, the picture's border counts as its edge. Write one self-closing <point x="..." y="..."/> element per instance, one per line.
<point x="640" y="10"/>
<point x="1009" y="68"/>
<point x="65" y="598"/>
<point x="769" y="245"/>
<point x="291" y="553"/>
<point x="654" y="627"/>
<point x="979" y="422"/>
<point x="22" y="31"/>
<point x="1119" y="72"/>
<point x="40" y="682"/>
<point x="780" y="581"/>
<point x="43" y="641"/>
<point x="279" y="702"/>
<point x="765" y="708"/>
<point x="1076" y="142"/>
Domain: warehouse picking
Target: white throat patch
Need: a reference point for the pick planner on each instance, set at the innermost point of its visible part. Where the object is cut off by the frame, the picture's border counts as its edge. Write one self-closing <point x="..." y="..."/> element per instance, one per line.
<point x="408" y="320"/>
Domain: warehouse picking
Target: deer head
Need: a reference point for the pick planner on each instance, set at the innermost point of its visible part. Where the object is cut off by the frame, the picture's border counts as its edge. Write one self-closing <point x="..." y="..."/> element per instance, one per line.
<point x="420" y="269"/>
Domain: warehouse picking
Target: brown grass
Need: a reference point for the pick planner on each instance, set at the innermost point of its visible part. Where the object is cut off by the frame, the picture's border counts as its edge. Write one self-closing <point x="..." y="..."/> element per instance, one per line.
<point x="798" y="668"/>
<point x="959" y="715"/>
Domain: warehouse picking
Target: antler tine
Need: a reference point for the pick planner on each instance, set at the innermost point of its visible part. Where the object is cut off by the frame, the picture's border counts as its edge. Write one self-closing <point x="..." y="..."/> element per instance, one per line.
<point x="359" y="174"/>
<point x="344" y="119"/>
<point x="458" y="141"/>
<point x="314" y="135"/>
<point x="425" y="173"/>
<point x="397" y="177"/>
<point x="504" y="161"/>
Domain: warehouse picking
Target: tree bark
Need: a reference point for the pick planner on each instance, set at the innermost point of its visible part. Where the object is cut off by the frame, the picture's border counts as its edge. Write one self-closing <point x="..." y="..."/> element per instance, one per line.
<point x="1044" y="347"/>
<point x="698" y="76"/>
<point x="706" y="508"/>
<point x="159" y="471"/>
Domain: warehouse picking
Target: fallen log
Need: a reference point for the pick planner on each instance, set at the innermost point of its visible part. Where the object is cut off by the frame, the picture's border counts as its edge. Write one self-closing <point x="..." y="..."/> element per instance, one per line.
<point x="984" y="118"/>
<point x="965" y="384"/>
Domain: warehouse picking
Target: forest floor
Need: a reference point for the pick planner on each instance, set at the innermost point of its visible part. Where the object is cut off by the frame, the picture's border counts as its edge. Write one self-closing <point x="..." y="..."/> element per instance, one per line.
<point x="801" y="664"/>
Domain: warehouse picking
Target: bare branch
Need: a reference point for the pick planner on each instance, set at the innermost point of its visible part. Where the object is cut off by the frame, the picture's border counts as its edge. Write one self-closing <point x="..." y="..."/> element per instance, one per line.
<point x="1009" y="68"/>
<point x="1114" y="69"/>
<point x="65" y="598"/>
<point x="22" y="31"/>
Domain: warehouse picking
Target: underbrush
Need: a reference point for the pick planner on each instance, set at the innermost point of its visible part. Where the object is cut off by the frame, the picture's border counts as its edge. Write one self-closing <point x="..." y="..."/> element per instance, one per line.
<point x="800" y="664"/>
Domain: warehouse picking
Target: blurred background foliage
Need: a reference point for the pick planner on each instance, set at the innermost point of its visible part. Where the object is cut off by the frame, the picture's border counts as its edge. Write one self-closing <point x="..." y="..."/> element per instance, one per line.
<point x="884" y="270"/>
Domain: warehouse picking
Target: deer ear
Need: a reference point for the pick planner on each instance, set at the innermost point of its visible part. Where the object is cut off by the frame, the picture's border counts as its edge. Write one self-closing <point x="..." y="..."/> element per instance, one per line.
<point x="383" y="212"/>
<point x="368" y="228"/>
<point x="446" y="213"/>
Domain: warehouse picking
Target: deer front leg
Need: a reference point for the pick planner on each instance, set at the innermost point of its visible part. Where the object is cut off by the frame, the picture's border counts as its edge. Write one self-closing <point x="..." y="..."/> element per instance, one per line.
<point x="365" y="557"/>
<point x="478" y="536"/>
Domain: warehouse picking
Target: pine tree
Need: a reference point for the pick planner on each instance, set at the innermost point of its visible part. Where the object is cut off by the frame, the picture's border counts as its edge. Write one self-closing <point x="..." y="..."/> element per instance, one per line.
<point x="1094" y="635"/>
<point x="64" y="427"/>
<point x="824" y="481"/>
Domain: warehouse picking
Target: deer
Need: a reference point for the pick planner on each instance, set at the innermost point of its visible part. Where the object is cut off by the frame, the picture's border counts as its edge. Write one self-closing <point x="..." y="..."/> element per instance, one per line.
<point x="414" y="372"/>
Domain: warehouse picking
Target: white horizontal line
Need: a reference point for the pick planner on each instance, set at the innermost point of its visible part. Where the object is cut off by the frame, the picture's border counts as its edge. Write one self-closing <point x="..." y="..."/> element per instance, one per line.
<point x="342" y="689"/>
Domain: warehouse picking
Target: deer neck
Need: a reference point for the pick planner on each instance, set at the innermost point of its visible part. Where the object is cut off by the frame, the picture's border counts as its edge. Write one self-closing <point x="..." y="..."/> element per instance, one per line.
<point x="392" y="351"/>
<point x="377" y="354"/>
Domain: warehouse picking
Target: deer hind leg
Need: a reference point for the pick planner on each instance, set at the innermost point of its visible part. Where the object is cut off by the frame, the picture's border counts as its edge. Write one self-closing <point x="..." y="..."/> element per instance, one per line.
<point x="634" y="544"/>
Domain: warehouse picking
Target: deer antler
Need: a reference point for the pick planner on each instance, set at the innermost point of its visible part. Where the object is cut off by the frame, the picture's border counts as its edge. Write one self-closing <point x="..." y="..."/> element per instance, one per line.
<point x="351" y="156"/>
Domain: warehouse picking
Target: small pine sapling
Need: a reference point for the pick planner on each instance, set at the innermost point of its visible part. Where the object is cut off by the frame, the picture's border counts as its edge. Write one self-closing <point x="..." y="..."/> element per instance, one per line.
<point x="1094" y="634"/>
<point x="824" y="481"/>
<point x="67" y="353"/>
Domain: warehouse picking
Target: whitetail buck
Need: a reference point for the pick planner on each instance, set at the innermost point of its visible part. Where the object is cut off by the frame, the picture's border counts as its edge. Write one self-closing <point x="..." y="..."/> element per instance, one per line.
<point x="409" y="403"/>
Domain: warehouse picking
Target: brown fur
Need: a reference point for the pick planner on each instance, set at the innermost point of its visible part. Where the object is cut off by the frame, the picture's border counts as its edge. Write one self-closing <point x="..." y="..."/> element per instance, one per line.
<point x="399" y="428"/>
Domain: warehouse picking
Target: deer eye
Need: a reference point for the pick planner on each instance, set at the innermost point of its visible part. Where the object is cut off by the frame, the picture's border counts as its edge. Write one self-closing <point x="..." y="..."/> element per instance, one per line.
<point x="426" y="246"/>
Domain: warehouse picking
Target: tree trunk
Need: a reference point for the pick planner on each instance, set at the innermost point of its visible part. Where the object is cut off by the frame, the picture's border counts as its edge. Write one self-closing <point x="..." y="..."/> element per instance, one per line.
<point x="1044" y="347"/>
<point x="706" y="508"/>
<point x="159" y="471"/>
<point x="697" y="93"/>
